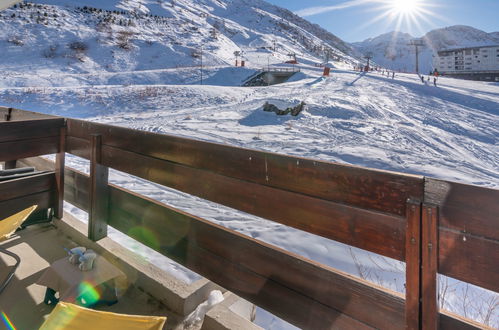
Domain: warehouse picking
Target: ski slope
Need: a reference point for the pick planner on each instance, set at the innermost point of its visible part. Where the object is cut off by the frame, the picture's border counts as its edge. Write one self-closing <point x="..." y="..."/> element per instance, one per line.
<point x="450" y="132"/>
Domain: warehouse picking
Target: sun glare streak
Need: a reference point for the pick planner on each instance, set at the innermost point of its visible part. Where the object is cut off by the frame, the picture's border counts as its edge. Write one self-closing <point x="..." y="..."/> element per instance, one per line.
<point x="382" y="16"/>
<point x="402" y="13"/>
<point x="7" y="322"/>
<point x="311" y="11"/>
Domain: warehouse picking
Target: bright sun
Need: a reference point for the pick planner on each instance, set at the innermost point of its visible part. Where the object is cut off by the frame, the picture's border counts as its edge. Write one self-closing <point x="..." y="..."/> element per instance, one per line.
<point x="401" y="14"/>
<point x="405" y="6"/>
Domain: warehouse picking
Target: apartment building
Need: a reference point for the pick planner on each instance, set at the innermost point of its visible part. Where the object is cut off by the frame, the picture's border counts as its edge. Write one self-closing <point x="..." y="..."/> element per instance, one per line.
<point x="477" y="63"/>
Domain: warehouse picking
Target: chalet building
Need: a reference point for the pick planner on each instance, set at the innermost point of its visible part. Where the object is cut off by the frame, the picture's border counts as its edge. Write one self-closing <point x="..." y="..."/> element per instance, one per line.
<point x="474" y="63"/>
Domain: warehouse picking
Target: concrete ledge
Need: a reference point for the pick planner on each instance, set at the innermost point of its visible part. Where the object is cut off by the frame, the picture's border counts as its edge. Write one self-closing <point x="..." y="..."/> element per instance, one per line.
<point x="178" y="296"/>
<point x="233" y="313"/>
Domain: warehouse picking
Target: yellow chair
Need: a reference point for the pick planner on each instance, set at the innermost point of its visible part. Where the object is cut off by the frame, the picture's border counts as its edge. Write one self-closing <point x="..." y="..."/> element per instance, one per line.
<point x="7" y="228"/>
<point x="67" y="316"/>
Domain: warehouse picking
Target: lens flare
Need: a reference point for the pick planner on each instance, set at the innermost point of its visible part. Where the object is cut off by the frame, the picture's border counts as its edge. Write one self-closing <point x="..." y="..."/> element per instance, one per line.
<point x="88" y="294"/>
<point x="145" y="236"/>
<point x="7" y="321"/>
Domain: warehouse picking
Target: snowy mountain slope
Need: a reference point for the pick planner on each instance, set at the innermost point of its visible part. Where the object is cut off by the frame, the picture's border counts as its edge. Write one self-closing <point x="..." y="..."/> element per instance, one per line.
<point x="495" y="35"/>
<point x="134" y="35"/>
<point x="392" y="50"/>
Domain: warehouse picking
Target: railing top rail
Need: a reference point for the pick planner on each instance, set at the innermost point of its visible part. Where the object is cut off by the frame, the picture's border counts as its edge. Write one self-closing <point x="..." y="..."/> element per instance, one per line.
<point x="318" y="197"/>
<point x="12" y="114"/>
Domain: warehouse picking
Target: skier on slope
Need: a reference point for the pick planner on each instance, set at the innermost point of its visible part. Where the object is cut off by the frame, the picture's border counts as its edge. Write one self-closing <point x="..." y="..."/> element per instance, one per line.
<point x="422" y="79"/>
<point x="435" y="81"/>
<point x="393" y="74"/>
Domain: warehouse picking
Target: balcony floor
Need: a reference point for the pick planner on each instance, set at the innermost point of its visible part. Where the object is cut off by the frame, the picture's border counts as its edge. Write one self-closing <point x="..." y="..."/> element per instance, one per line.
<point x="39" y="246"/>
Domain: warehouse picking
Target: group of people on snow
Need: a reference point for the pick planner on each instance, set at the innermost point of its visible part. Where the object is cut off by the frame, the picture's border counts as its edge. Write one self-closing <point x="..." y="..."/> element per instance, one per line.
<point x="388" y="73"/>
<point x="435" y="75"/>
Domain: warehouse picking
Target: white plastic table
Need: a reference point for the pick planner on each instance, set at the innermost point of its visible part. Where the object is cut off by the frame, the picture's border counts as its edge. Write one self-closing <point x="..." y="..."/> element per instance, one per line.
<point x="72" y="283"/>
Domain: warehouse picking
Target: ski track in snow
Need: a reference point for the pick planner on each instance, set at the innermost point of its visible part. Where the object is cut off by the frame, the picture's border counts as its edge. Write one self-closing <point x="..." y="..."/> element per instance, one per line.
<point x="449" y="132"/>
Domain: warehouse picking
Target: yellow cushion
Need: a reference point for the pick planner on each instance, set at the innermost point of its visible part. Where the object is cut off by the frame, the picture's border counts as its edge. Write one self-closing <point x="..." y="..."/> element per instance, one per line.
<point x="69" y="316"/>
<point x="9" y="225"/>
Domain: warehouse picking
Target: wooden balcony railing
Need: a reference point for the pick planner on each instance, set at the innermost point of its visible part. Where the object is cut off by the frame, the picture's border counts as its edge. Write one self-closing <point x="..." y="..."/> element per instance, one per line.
<point x="433" y="226"/>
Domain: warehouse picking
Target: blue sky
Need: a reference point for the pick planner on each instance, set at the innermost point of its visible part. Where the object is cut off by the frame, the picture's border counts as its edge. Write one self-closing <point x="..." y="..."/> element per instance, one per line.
<point x="349" y="19"/>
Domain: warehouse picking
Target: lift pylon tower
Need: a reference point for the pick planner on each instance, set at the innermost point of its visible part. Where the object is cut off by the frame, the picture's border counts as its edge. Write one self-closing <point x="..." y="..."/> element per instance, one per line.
<point x="417" y="43"/>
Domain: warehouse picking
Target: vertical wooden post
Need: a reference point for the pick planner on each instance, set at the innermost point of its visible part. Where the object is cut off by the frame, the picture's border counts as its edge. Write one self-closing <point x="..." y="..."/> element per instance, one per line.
<point x="99" y="195"/>
<point x="8" y="115"/>
<point x="10" y="164"/>
<point x="429" y="267"/>
<point x="413" y="265"/>
<point x="60" y="160"/>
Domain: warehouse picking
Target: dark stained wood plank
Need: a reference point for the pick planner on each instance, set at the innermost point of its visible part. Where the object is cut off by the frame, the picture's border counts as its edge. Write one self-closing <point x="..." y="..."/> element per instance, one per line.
<point x="12" y="206"/>
<point x="10" y="164"/>
<point x="18" y="115"/>
<point x="469" y="258"/>
<point x="76" y="187"/>
<point x="372" y="189"/>
<point x="413" y="265"/>
<point x="76" y="193"/>
<point x="29" y="148"/>
<point x="8" y="114"/>
<point x="99" y="193"/>
<point x="59" y="173"/>
<point x="25" y="186"/>
<point x="300" y="310"/>
<point x="38" y="163"/>
<point x="250" y="265"/>
<point x="76" y="183"/>
<point x="373" y="231"/>
<point x="352" y="226"/>
<point x="449" y="321"/>
<point x="23" y="130"/>
<point x="429" y="262"/>
<point x="465" y="208"/>
<point x="78" y="147"/>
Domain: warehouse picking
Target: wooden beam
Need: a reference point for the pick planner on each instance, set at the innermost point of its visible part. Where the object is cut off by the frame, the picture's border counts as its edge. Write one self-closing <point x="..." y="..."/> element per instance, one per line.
<point x="8" y="114"/>
<point x="468" y="231"/>
<point x="28" y="148"/>
<point x="358" y="227"/>
<point x="10" y="164"/>
<point x="43" y="200"/>
<point x="251" y="268"/>
<point x="465" y="208"/>
<point x="360" y="187"/>
<point x="354" y="226"/>
<point x="76" y="189"/>
<point x="429" y="266"/>
<point x="59" y="173"/>
<point x="76" y="183"/>
<point x="450" y="321"/>
<point x="25" y="186"/>
<point x="18" y="115"/>
<point x="30" y="129"/>
<point x="469" y="258"/>
<point x="99" y="195"/>
<point x="413" y="265"/>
